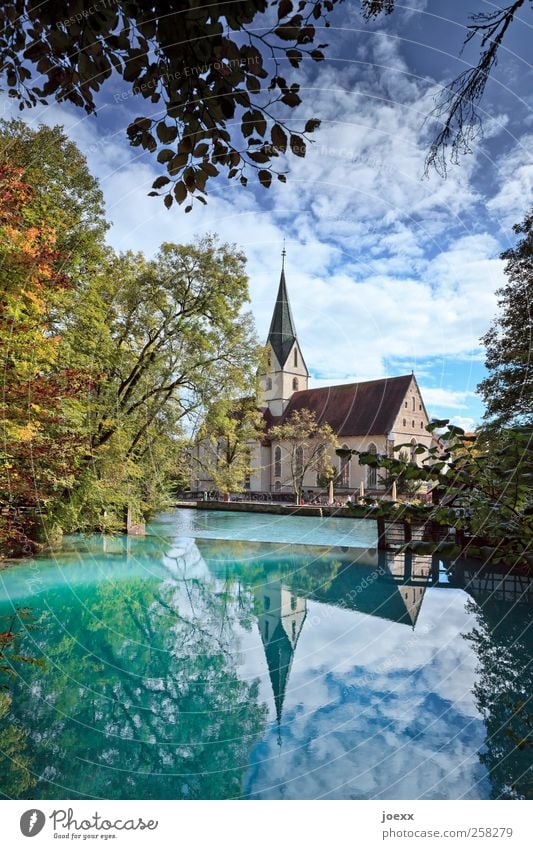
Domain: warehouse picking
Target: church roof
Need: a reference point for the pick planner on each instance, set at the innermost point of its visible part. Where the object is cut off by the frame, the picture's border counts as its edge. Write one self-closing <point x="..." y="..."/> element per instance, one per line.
<point x="354" y="409"/>
<point x="282" y="333"/>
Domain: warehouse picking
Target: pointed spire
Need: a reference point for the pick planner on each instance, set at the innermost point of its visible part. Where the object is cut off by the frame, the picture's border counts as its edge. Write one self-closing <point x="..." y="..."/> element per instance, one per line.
<point x="282" y="333"/>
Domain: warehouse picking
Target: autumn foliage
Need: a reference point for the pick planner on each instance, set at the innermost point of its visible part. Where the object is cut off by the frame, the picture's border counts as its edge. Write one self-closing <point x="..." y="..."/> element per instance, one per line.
<point x="36" y="451"/>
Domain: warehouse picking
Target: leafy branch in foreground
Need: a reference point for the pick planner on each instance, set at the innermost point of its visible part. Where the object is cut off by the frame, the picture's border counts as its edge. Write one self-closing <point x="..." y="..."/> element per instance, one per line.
<point x="480" y="484"/>
<point x="214" y="106"/>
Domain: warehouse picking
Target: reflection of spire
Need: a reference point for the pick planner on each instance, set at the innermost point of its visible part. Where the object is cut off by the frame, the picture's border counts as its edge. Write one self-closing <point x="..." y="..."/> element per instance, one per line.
<point x="280" y="624"/>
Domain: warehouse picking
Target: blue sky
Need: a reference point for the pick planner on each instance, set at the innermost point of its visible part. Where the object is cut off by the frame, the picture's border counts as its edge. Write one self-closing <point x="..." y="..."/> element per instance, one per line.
<point x="387" y="272"/>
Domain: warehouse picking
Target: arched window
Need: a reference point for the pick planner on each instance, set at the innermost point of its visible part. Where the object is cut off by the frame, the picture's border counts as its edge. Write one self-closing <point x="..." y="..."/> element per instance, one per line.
<point x="296" y="356"/>
<point x="421" y="425"/>
<point x="298" y="461"/>
<point x="372" y="474"/>
<point x="295" y="384"/>
<point x="405" y="404"/>
<point x="277" y="486"/>
<point x="404" y="422"/>
<point x="277" y="462"/>
<point x="414" y="403"/>
<point x="269" y="383"/>
<point x="412" y="422"/>
<point x="344" y="470"/>
<point x="413" y="449"/>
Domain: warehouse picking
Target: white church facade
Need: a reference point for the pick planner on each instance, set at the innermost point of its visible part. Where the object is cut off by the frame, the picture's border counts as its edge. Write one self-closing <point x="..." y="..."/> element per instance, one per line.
<point x="373" y="415"/>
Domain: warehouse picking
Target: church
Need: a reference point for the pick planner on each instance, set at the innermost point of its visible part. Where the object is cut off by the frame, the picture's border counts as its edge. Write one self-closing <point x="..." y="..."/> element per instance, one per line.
<point x="372" y="416"/>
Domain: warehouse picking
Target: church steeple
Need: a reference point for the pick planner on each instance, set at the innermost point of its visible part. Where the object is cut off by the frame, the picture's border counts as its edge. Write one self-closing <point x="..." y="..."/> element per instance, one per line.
<point x="286" y="371"/>
<point x="282" y="333"/>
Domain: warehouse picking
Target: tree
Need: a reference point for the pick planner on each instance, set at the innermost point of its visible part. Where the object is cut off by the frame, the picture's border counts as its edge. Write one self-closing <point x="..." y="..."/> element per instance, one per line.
<point x="225" y="442"/>
<point x="309" y="446"/>
<point x="507" y="391"/>
<point x="202" y="69"/>
<point x="457" y="107"/>
<point x="64" y="193"/>
<point x="160" y="338"/>
<point x="39" y="393"/>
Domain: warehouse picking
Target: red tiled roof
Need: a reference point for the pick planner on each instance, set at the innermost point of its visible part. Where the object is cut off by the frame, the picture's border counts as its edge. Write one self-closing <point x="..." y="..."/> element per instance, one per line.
<point x="354" y="409"/>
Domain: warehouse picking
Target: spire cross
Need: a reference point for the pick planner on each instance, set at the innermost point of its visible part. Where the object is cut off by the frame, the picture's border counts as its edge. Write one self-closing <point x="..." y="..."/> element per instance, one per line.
<point x="283" y="256"/>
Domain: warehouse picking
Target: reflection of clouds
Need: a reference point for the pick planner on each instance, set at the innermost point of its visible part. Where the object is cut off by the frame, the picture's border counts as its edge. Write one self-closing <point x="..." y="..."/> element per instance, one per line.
<point x="364" y="719"/>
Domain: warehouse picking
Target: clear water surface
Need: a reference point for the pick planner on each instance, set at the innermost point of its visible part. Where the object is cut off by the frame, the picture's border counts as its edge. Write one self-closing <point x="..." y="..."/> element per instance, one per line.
<point x="259" y="657"/>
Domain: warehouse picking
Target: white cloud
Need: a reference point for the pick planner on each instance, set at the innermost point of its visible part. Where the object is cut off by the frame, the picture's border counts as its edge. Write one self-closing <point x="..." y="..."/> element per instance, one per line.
<point x="445" y="398"/>
<point x="466" y="422"/>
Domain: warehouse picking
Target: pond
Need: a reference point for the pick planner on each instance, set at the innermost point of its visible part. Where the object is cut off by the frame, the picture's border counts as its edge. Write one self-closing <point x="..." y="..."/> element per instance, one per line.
<point x="230" y="656"/>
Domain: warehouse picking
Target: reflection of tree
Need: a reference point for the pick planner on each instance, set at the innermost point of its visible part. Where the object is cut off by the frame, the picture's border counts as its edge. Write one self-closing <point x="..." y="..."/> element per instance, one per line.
<point x="148" y="703"/>
<point x="505" y="683"/>
<point x="15" y="762"/>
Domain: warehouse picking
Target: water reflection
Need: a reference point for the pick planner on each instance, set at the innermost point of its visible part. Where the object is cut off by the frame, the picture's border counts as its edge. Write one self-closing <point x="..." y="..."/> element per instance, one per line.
<point x="222" y="669"/>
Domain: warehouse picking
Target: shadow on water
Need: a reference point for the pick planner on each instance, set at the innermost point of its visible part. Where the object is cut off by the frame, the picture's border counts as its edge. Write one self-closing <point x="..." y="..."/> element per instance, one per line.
<point x="217" y="669"/>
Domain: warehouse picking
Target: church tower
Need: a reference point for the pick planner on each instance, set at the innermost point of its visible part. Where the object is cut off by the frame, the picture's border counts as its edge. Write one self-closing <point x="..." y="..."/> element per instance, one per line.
<point x="286" y="371"/>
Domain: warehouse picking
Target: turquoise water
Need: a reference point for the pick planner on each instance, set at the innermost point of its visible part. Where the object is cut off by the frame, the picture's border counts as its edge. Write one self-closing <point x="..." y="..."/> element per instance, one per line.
<point x="258" y="527"/>
<point x="199" y="663"/>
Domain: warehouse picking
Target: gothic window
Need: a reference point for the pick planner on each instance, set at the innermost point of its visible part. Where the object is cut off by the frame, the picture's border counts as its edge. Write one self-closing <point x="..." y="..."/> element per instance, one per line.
<point x="277" y="462"/>
<point x="420" y="406"/>
<point x="269" y="383"/>
<point x="293" y="632"/>
<point x="412" y="422"/>
<point x="414" y="403"/>
<point x="344" y="470"/>
<point x="421" y="425"/>
<point x="266" y="629"/>
<point x="404" y="422"/>
<point x="405" y="404"/>
<point x="277" y="486"/>
<point x="266" y="601"/>
<point x="299" y="461"/>
<point x="293" y="601"/>
<point x="295" y="384"/>
<point x="413" y="449"/>
<point x="296" y="357"/>
<point x="372" y="474"/>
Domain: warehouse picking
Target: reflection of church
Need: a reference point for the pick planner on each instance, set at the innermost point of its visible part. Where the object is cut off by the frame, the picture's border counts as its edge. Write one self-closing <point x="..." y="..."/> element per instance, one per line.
<point x="280" y="622"/>
<point x="389" y="586"/>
